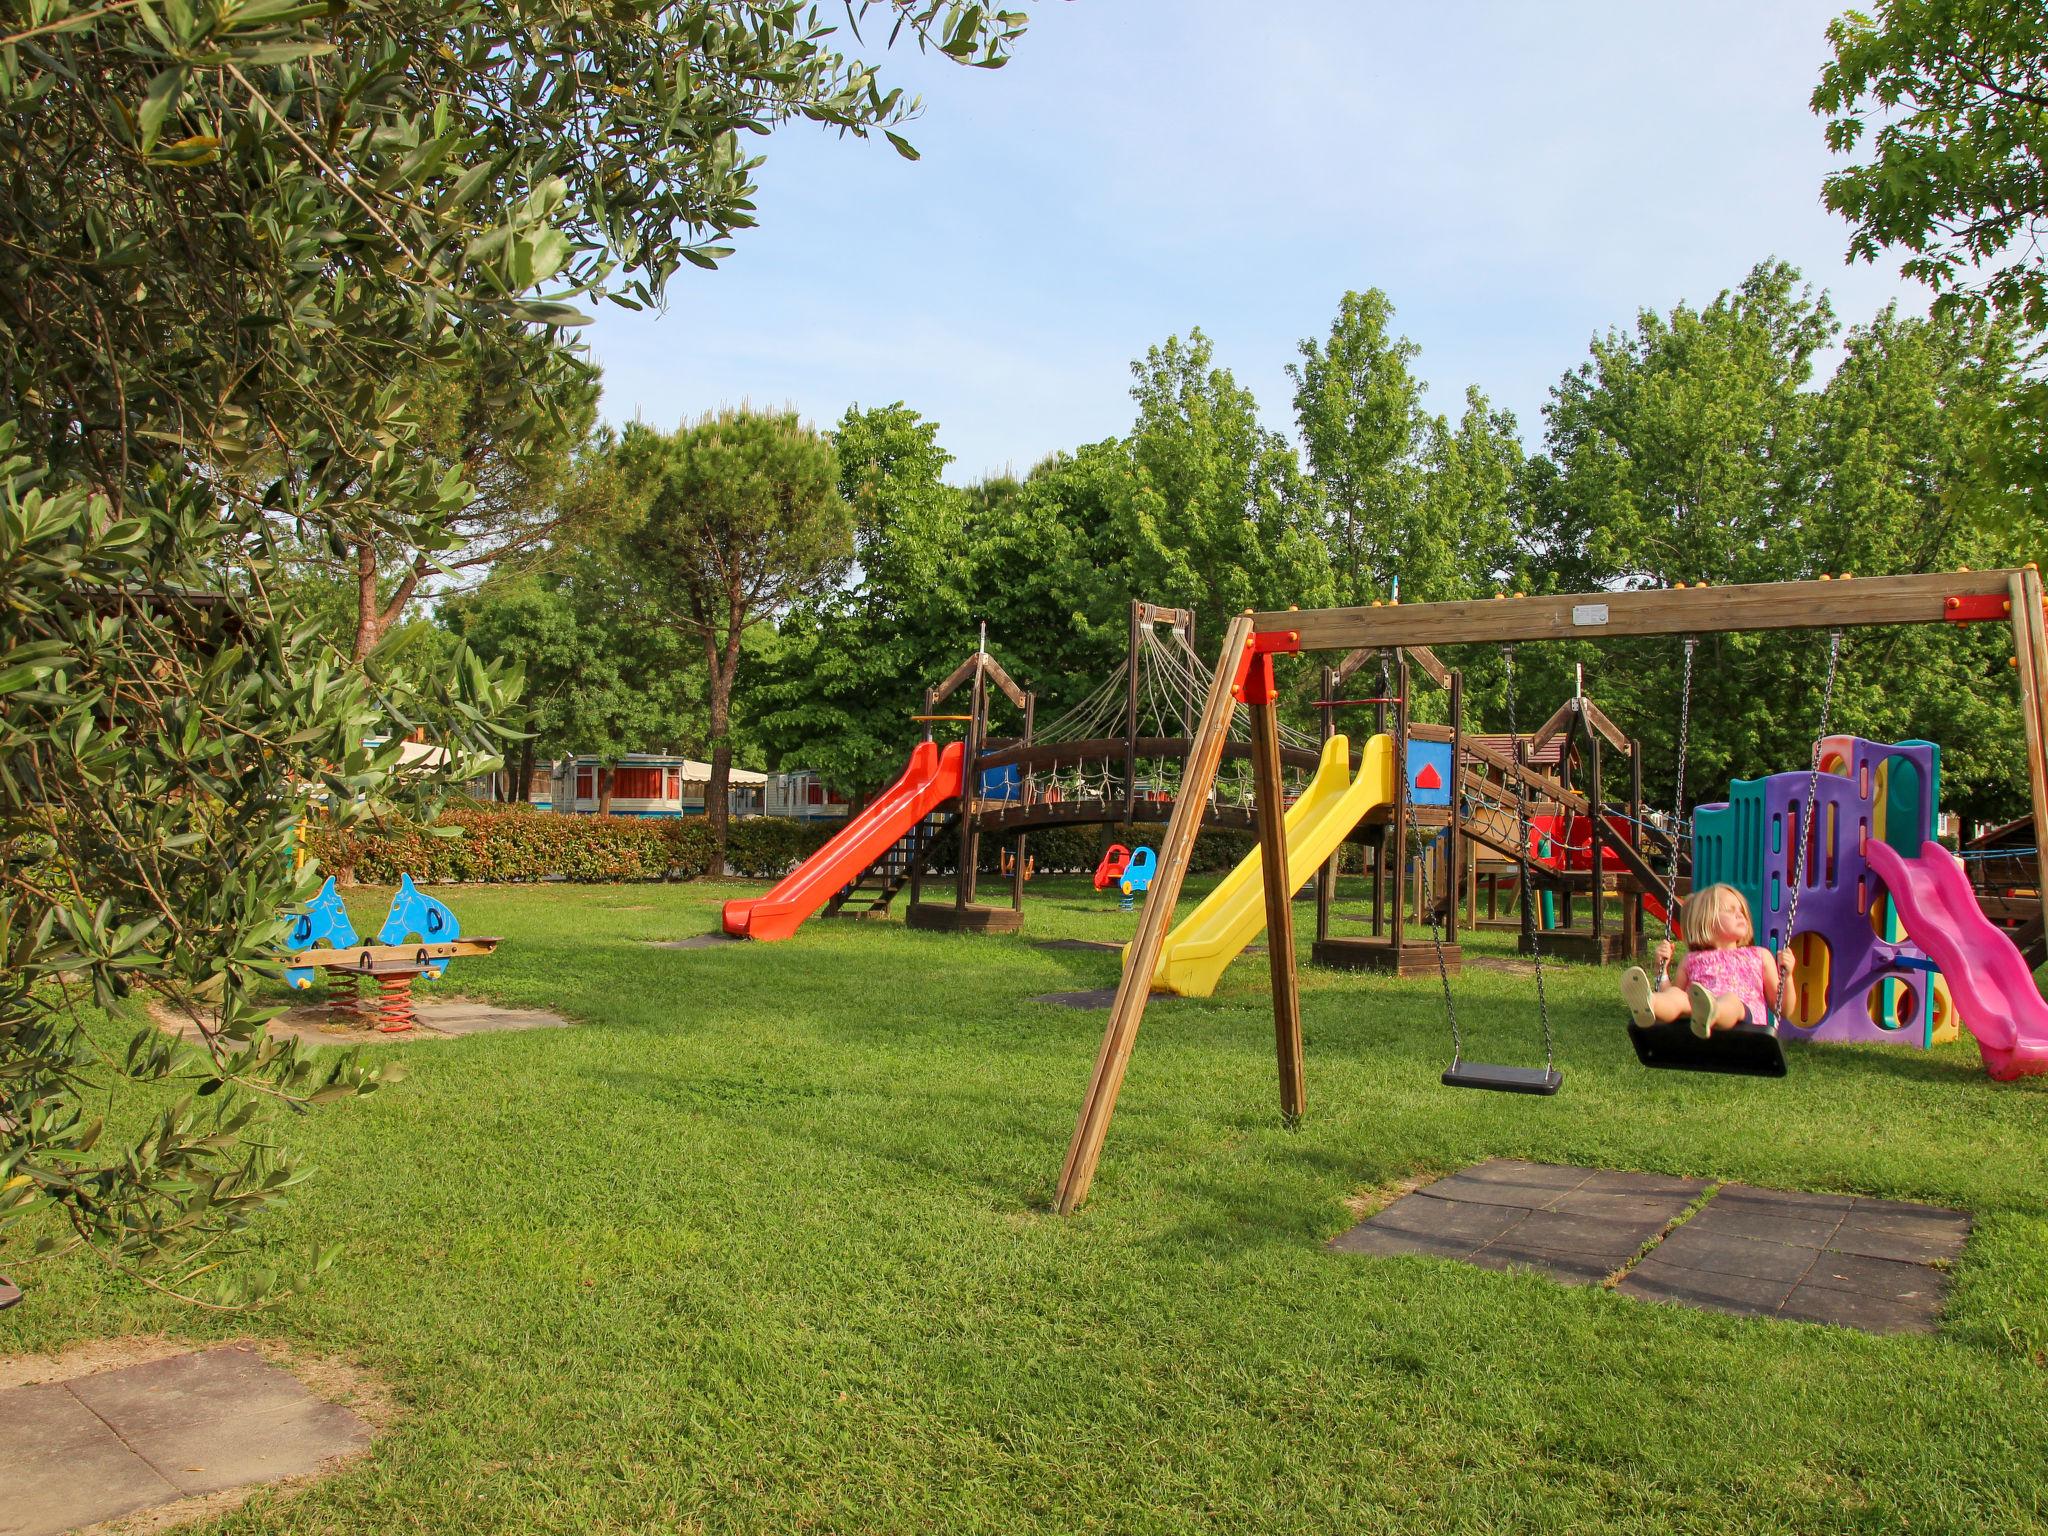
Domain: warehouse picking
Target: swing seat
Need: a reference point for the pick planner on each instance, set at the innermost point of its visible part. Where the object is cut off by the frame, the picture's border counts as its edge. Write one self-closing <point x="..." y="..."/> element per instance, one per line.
<point x="1479" y="1074"/>
<point x="1747" y="1050"/>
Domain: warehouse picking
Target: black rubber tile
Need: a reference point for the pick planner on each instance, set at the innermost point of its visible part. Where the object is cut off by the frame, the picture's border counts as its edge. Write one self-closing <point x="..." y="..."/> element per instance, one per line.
<point x="1786" y="1202"/>
<point x="1754" y="1222"/>
<point x="1450" y="1219"/>
<point x="1929" y="1222"/>
<point x="1871" y="1314"/>
<point x="1610" y="1240"/>
<point x="1656" y="1209"/>
<point x="1513" y="1170"/>
<point x="1928" y="1247"/>
<point x="1568" y="1269"/>
<point x="1870" y="1209"/>
<point x="1721" y="1253"/>
<point x="1385" y="1242"/>
<point x="1609" y="1181"/>
<point x="1886" y="1279"/>
<point x="1743" y="1295"/>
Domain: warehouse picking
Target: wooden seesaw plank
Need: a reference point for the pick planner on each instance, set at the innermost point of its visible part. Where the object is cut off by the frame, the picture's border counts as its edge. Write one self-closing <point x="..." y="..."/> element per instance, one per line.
<point x="371" y="957"/>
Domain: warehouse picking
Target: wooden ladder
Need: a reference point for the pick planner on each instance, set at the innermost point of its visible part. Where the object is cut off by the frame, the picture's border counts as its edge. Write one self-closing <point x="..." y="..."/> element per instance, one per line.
<point x="870" y="895"/>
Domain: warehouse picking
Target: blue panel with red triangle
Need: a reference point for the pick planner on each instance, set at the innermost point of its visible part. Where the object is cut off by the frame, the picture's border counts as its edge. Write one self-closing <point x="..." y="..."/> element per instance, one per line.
<point x="1429" y="772"/>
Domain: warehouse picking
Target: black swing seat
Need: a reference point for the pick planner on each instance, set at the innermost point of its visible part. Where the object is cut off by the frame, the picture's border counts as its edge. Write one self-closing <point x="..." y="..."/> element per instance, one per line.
<point x="1747" y="1050"/>
<point x="1479" y="1074"/>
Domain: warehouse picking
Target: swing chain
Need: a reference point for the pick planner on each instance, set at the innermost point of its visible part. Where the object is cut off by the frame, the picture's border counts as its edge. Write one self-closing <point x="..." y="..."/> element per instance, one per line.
<point x="1678" y="804"/>
<point x="1436" y="937"/>
<point x="1806" y="829"/>
<point x="1528" y="864"/>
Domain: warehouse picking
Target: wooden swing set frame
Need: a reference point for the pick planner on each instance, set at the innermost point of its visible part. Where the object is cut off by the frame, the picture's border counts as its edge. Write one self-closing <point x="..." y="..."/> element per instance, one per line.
<point x="1244" y="674"/>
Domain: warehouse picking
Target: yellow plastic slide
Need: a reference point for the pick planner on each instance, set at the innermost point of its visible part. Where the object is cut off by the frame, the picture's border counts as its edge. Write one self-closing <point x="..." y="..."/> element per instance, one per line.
<point x="1194" y="955"/>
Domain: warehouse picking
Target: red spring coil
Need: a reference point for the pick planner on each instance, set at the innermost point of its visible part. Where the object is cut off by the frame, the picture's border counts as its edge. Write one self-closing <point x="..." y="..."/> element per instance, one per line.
<point x="394" y="1004"/>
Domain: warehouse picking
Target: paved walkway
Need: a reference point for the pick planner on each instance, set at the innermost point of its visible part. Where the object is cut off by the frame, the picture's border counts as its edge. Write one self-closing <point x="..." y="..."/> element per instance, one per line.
<point x="1877" y="1265"/>
<point x="97" y="1447"/>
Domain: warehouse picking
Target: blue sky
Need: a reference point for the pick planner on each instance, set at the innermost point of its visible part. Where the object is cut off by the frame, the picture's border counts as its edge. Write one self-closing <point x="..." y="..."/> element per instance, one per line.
<point x="1517" y="177"/>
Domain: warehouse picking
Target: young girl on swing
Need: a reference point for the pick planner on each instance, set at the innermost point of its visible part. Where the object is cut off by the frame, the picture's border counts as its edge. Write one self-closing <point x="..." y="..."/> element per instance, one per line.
<point x="1724" y="980"/>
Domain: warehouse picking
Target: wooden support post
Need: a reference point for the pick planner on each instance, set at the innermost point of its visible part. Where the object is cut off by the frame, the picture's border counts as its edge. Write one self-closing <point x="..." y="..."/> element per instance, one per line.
<point x="1018" y="850"/>
<point x="1401" y="827"/>
<point x="1454" y="842"/>
<point x="1131" y="718"/>
<point x="1326" y="877"/>
<point x="1528" y="873"/>
<point x="1128" y="1011"/>
<point x="2030" y="649"/>
<point x="970" y="785"/>
<point x="1270" y="793"/>
<point x="1596" y="836"/>
<point x="1635" y="832"/>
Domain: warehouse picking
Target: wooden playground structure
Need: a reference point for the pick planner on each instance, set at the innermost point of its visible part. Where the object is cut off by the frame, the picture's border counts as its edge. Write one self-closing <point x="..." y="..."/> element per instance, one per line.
<point x="1118" y="759"/>
<point x="1244" y="674"/>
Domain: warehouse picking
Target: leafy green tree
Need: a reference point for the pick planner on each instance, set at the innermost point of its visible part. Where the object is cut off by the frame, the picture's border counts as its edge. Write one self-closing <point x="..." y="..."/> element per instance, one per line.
<point x="849" y="667"/>
<point x="236" y="237"/>
<point x="1679" y="452"/>
<point x="1898" y="483"/>
<point x="1215" y="517"/>
<point x="1945" y="105"/>
<point x="740" y="518"/>
<point x="1956" y="173"/>
<point x="1472" y="504"/>
<point x="596" y="682"/>
<point x="1359" y="409"/>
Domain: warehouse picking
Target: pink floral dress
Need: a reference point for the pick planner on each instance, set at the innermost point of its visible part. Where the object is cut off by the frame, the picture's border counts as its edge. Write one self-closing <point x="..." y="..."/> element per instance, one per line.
<point x="1732" y="972"/>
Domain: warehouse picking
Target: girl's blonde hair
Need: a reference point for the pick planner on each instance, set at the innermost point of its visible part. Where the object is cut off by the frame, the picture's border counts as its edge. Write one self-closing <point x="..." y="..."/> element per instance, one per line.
<point x="1699" y="916"/>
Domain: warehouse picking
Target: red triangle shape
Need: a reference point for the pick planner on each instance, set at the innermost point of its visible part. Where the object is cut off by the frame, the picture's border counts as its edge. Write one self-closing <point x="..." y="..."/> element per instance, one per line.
<point x="1429" y="778"/>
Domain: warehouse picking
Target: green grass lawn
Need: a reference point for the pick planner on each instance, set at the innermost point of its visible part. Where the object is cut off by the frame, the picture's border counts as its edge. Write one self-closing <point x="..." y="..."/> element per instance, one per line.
<point x="765" y="1245"/>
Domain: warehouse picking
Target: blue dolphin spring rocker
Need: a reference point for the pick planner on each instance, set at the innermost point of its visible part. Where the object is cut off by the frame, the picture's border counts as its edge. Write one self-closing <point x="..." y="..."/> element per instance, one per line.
<point x="419" y="937"/>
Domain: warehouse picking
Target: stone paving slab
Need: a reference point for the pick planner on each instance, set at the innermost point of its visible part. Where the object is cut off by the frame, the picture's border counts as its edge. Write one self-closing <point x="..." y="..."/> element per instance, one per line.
<point x="1877" y="1265"/>
<point x="97" y="1447"/>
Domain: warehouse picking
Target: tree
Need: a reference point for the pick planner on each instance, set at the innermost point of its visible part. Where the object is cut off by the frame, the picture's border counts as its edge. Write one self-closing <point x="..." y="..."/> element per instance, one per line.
<point x="1957" y="170"/>
<point x="235" y="237"/>
<point x="1679" y="452"/>
<point x="1360" y="412"/>
<point x="528" y="484"/>
<point x="595" y="682"/>
<point x="1215" y="517"/>
<point x="741" y="517"/>
<point x="1955" y="176"/>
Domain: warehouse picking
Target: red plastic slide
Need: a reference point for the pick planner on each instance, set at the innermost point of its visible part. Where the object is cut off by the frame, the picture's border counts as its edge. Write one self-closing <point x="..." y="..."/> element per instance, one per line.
<point x="932" y="779"/>
<point x="1993" y="988"/>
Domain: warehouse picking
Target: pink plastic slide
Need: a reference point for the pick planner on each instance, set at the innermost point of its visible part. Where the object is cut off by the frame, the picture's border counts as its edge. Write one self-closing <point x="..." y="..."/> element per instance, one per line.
<point x="932" y="779"/>
<point x="1993" y="989"/>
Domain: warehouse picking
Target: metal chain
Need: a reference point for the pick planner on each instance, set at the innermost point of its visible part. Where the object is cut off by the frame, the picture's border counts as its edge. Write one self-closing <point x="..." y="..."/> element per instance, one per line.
<point x="1436" y="936"/>
<point x="1528" y="865"/>
<point x="1678" y="806"/>
<point x="1805" y="828"/>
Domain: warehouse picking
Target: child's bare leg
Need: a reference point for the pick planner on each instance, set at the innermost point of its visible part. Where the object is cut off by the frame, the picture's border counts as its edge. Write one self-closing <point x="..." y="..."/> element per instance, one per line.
<point x="1729" y="1012"/>
<point x="1670" y="1003"/>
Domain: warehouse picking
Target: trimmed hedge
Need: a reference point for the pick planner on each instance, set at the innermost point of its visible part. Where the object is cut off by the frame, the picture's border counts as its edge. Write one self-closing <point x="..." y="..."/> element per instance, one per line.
<point x="516" y="843"/>
<point x="511" y="844"/>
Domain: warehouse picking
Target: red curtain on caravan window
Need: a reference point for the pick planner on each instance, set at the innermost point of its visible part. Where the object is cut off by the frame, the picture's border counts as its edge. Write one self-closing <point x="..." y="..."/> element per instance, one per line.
<point x="636" y="783"/>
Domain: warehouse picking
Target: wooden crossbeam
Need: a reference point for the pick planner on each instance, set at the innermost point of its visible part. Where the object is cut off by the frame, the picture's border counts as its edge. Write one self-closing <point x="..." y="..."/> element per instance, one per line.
<point x="1659" y="611"/>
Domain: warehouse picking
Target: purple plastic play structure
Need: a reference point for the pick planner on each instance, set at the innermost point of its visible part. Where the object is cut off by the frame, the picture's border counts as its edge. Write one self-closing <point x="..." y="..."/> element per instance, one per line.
<point x="1859" y="976"/>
